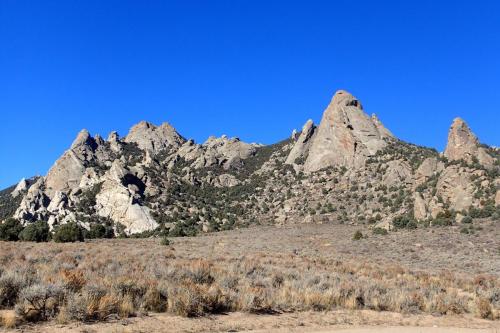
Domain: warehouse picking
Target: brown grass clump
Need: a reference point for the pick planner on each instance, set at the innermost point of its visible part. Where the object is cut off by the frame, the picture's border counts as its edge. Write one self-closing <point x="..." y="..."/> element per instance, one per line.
<point x="74" y="280"/>
<point x="484" y="308"/>
<point x="8" y="319"/>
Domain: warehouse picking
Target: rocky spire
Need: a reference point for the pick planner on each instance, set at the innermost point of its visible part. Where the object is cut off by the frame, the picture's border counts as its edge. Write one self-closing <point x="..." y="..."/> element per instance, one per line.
<point x="66" y="173"/>
<point x="83" y="138"/>
<point x="150" y="137"/>
<point x="464" y="145"/>
<point x="22" y="186"/>
<point x="346" y="135"/>
<point x="303" y="143"/>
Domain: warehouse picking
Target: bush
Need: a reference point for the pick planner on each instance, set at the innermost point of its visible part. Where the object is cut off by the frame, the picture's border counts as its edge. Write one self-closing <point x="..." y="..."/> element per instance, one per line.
<point x="404" y="221"/>
<point x="69" y="232"/>
<point x="36" y="232"/>
<point x="98" y="230"/>
<point x="34" y="301"/>
<point x="442" y="221"/>
<point x="358" y="235"/>
<point x="10" y="285"/>
<point x="380" y="231"/>
<point x="10" y="229"/>
<point x="467" y="220"/>
<point x="165" y="241"/>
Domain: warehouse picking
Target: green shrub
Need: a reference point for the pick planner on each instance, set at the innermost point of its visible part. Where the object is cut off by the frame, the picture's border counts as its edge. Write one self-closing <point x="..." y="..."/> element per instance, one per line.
<point x="380" y="231"/>
<point x="69" y="232"/>
<point x="98" y="230"/>
<point x="404" y="221"/>
<point x="36" y="232"/>
<point x="358" y="235"/>
<point x="10" y="229"/>
<point x="165" y="241"/>
<point x="467" y="220"/>
<point x="444" y="219"/>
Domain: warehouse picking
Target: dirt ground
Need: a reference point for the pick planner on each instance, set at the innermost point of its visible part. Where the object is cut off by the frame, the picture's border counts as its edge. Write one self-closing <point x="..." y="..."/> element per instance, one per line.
<point x="430" y="249"/>
<point x="311" y="322"/>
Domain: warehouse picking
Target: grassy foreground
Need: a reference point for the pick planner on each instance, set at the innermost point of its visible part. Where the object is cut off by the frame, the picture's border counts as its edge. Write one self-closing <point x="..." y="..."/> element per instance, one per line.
<point x="234" y="271"/>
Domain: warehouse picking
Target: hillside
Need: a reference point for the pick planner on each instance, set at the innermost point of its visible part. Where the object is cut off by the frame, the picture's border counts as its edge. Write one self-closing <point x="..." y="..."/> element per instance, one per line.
<point x="348" y="169"/>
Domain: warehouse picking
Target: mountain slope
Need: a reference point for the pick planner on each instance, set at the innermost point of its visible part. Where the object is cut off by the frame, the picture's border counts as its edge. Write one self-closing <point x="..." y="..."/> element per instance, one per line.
<point x="348" y="169"/>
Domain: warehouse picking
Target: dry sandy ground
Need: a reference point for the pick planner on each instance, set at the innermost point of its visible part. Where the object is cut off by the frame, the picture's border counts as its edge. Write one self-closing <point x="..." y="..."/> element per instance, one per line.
<point x="310" y="322"/>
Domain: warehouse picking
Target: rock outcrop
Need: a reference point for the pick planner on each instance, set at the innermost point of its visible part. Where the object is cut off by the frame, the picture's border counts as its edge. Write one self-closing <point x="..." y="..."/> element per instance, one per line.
<point x="68" y="170"/>
<point x="346" y="135"/>
<point x="464" y="145"/>
<point x="224" y="151"/>
<point x="119" y="200"/>
<point x="302" y="144"/>
<point x="154" y="138"/>
<point x="350" y="168"/>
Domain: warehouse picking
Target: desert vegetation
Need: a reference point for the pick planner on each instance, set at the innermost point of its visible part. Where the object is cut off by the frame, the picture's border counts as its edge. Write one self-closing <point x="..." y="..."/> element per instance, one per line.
<point x="119" y="278"/>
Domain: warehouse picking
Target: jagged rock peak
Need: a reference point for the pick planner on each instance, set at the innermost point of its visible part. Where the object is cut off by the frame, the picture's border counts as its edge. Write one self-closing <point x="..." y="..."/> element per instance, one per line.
<point x="22" y="186"/>
<point x="154" y="138"/>
<point x="302" y="144"/>
<point x="113" y="137"/>
<point x="83" y="138"/>
<point x="463" y="144"/>
<point x="346" y="135"/>
<point x="384" y="132"/>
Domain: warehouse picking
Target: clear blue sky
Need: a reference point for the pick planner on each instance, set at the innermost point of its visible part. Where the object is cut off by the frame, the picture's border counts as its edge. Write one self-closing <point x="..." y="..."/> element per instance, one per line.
<point x="253" y="69"/>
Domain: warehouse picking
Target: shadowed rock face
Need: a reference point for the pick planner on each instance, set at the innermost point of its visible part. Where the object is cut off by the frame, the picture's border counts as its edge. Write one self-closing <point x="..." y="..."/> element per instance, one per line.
<point x="346" y="135"/>
<point x="464" y="145"/>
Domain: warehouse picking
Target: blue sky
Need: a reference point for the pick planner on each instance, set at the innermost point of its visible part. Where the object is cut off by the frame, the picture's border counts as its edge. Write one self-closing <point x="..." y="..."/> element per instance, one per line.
<point x="253" y="69"/>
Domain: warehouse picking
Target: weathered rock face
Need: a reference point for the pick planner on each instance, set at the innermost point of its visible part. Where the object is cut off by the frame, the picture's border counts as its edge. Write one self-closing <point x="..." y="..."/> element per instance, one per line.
<point x="21" y="187"/>
<point x="464" y="145"/>
<point x="114" y="142"/>
<point x="455" y="186"/>
<point x="397" y="172"/>
<point x="346" y="135"/>
<point x="429" y="167"/>
<point x="384" y="132"/>
<point x="34" y="204"/>
<point x="119" y="200"/>
<point x="420" y="209"/>
<point x="225" y="152"/>
<point x="155" y="139"/>
<point x="302" y="144"/>
<point x="68" y="170"/>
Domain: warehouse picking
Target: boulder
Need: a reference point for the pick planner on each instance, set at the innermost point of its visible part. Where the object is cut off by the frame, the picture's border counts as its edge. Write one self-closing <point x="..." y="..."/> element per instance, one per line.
<point x="420" y="209"/>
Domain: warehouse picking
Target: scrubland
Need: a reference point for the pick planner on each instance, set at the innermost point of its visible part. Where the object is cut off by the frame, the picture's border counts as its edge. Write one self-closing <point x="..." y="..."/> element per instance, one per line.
<point x="257" y="271"/>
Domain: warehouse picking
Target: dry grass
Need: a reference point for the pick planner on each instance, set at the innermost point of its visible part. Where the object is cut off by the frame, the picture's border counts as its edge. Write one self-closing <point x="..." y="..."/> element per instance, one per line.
<point x="8" y="319"/>
<point x="229" y="272"/>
